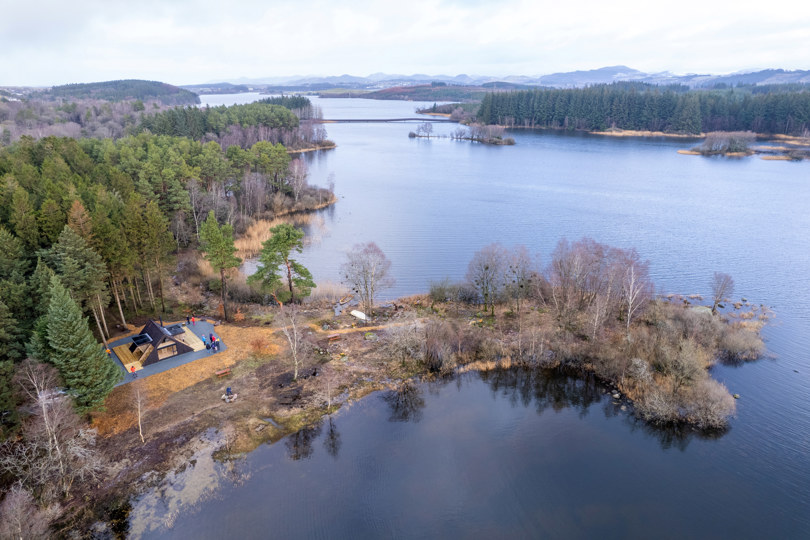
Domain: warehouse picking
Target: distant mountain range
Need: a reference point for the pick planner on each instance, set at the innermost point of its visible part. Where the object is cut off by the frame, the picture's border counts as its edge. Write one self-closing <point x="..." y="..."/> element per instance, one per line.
<point x="571" y="79"/>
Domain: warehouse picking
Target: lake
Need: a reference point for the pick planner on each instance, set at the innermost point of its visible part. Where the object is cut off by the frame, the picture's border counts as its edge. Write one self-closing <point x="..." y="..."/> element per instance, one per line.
<point x="529" y="455"/>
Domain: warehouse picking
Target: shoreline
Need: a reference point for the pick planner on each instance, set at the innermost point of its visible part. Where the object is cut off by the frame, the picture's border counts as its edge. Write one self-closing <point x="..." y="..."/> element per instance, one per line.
<point x="312" y="148"/>
<point x="185" y="401"/>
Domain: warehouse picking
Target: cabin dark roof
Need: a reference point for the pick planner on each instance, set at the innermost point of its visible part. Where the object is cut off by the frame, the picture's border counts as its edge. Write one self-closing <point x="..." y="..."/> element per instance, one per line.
<point x="160" y="337"/>
<point x="174" y="330"/>
<point x="140" y="339"/>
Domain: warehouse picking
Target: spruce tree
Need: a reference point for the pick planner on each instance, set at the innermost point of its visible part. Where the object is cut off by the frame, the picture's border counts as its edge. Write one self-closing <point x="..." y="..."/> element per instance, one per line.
<point x="88" y="372"/>
<point x="9" y="417"/>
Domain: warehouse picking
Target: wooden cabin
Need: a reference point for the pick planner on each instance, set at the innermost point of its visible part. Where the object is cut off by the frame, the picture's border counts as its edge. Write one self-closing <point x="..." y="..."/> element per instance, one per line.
<point x="155" y="343"/>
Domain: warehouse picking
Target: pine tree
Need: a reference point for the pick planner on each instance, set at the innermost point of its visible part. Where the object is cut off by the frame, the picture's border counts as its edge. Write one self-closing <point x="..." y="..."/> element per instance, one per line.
<point x="275" y="253"/>
<point x="217" y="244"/>
<point x="88" y="372"/>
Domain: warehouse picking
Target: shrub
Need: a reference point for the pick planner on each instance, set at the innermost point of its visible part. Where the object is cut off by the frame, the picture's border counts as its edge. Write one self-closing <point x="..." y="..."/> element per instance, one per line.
<point x="438" y="353"/>
<point x="739" y="344"/>
<point x="404" y="342"/>
<point x="442" y="291"/>
<point x="467" y="294"/>
<point x="708" y="405"/>
<point x="657" y="407"/>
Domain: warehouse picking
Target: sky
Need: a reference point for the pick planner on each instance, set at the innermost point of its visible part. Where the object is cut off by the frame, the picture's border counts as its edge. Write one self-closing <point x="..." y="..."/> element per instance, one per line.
<point x="46" y="42"/>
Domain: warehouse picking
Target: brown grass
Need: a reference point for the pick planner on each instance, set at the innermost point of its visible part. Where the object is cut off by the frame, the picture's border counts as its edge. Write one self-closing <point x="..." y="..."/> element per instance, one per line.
<point x="637" y="133"/>
<point x="249" y="245"/>
<point x="688" y="152"/>
<point x="328" y="291"/>
<point x="120" y="413"/>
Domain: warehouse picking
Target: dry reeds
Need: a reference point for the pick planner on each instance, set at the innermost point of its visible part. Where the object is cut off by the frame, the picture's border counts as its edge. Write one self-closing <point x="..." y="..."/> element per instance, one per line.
<point x="328" y="291"/>
<point x="249" y="245"/>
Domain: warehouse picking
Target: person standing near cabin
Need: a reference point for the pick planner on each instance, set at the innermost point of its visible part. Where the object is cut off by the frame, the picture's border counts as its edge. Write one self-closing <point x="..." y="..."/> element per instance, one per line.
<point x="188" y="320"/>
<point x="132" y="370"/>
<point x="192" y="319"/>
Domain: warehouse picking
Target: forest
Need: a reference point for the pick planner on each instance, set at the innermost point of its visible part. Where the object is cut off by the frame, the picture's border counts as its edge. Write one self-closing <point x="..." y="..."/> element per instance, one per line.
<point x="123" y="90"/>
<point x="104" y="216"/>
<point x="644" y="107"/>
<point x="291" y="121"/>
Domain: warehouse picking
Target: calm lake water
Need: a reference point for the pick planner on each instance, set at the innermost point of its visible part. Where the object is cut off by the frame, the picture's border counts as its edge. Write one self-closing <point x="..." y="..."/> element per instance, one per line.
<point x="517" y="455"/>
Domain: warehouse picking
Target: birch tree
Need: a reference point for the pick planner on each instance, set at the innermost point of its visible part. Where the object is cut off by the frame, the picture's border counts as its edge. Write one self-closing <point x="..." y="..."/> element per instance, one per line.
<point x="367" y="271"/>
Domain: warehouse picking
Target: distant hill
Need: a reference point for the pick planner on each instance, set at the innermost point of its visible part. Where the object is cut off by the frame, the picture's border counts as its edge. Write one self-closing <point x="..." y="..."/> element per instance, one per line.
<point x="216" y="88"/>
<point x="603" y="75"/>
<point x="123" y="90"/>
<point x="423" y="92"/>
<point x="570" y="79"/>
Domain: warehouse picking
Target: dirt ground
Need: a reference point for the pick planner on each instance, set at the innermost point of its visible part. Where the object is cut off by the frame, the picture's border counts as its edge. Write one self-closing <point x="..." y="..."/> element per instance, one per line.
<point x="180" y="403"/>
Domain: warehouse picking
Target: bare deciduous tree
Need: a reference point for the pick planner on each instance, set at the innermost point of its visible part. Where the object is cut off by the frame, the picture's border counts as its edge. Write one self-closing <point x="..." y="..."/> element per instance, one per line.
<point x="56" y="450"/>
<point x="367" y="271"/>
<point x="636" y="286"/>
<point x="139" y="397"/>
<point x="425" y="129"/>
<point x="292" y="326"/>
<point x="485" y="272"/>
<point x="298" y="177"/>
<point x="21" y="517"/>
<point x="722" y="287"/>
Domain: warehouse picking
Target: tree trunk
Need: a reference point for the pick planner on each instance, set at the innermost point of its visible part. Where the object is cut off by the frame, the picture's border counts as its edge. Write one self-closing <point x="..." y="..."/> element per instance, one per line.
<point x="136" y="299"/>
<point x="224" y="305"/>
<point x="290" y="282"/>
<point x="140" y="428"/>
<point x="101" y="312"/>
<point x="149" y="289"/>
<point x="160" y="286"/>
<point x="122" y="290"/>
<point x="98" y="324"/>
<point x="118" y="301"/>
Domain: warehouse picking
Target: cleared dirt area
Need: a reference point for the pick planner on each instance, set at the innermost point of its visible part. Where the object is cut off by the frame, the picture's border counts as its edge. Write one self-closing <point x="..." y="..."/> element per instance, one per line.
<point x="178" y="404"/>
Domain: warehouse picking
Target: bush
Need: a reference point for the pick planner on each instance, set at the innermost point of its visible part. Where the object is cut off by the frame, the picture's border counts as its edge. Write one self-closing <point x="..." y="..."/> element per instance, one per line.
<point x="657" y="407"/>
<point x="467" y="294"/>
<point x="442" y="291"/>
<point x="404" y="342"/>
<point x="709" y="405"/>
<point x="739" y="344"/>
<point x="438" y="352"/>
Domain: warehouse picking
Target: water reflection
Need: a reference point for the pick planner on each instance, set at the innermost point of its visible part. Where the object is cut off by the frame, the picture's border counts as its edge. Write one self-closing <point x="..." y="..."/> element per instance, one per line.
<point x="550" y="389"/>
<point x="331" y="439"/>
<point x="299" y="444"/>
<point x="406" y="403"/>
<point x="546" y="389"/>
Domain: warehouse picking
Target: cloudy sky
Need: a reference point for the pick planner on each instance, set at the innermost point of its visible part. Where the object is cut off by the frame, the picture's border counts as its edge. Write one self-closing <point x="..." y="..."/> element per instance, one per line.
<point x="45" y="42"/>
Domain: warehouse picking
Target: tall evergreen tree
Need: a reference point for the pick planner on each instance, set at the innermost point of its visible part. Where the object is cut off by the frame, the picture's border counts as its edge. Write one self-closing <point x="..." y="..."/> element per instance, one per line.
<point x="275" y="253"/>
<point x="88" y="372"/>
<point x="157" y="242"/>
<point x="9" y="417"/>
<point x="83" y="271"/>
<point x="217" y="244"/>
<point x="12" y="348"/>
